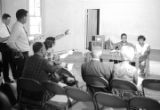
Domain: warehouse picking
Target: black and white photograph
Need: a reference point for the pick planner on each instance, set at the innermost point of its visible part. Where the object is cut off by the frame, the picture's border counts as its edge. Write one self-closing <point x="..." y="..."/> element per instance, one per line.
<point x="79" y="54"/>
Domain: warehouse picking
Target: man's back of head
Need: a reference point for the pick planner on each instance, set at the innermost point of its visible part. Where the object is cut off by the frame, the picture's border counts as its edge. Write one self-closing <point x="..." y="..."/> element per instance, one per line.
<point x="38" y="48"/>
<point x="128" y="53"/>
<point x="96" y="53"/>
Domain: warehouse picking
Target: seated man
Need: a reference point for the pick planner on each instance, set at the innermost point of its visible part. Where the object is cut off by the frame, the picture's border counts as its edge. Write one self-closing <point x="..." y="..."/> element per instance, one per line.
<point x="38" y="68"/>
<point x="125" y="70"/>
<point x="123" y="42"/>
<point x="97" y="68"/>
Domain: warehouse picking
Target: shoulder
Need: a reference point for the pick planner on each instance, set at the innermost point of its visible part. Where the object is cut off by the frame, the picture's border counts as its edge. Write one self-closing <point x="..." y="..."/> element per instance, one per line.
<point x="2" y="25"/>
<point x="146" y="45"/>
<point x="108" y="64"/>
<point x="84" y="65"/>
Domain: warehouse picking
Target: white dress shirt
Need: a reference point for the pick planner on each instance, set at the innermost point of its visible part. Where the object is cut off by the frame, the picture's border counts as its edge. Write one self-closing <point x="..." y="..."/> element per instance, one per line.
<point x="4" y="31"/>
<point x="19" y="38"/>
<point x="141" y="49"/>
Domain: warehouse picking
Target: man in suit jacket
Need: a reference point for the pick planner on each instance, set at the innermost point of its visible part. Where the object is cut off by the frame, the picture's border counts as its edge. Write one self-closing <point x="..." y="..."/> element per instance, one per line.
<point x="97" y="68"/>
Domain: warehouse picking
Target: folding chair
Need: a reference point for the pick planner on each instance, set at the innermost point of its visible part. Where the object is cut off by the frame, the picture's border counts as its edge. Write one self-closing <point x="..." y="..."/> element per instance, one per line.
<point x="4" y="102"/>
<point x="78" y="94"/>
<point x="124" y="89"/>
<point x="32" y="95"/>
<point x="110" y="100"/>
<point x="151" y="88"/>
<point x="144" y="103"/>
<point x="60" y="99"/>
<point x="95" y="84"/>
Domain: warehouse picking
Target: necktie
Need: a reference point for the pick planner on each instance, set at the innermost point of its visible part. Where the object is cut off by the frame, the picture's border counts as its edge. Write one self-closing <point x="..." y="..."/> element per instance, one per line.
<point x="8" y="29"/>
<point x="26" y="33"/>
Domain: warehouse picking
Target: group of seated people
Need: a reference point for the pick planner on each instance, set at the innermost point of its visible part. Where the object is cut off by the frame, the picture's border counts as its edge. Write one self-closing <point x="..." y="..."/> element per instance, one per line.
<point x="142" y="51"/>
<point x="108" y="70"/>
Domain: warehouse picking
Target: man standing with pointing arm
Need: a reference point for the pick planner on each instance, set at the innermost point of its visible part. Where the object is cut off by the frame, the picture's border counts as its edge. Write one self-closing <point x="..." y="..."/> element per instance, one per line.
<point x="19" y="42"/>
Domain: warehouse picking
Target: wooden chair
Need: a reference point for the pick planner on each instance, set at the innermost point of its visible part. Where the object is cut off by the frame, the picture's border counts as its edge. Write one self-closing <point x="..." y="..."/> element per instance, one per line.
<point x="110" y="100"/>
<point x="151" y="88"/>
<point x="144" y="103"/>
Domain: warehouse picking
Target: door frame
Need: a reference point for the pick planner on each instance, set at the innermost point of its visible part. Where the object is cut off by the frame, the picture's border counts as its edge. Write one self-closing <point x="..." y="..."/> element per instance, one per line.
<point x="86" y="26"/>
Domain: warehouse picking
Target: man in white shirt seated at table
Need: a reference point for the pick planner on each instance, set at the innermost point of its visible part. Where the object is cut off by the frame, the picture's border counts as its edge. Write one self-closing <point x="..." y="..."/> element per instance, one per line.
<point x="123" y="42"/>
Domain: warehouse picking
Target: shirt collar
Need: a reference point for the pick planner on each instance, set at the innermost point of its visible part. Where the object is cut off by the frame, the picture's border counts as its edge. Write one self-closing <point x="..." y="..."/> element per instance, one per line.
<point x="20" y="24"/>
<point x="95" y="59"/>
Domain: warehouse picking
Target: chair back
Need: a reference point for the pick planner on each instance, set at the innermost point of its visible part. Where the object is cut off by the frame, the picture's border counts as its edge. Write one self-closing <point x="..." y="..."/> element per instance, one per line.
<point x="4" y="102"/>
<point x="151" y="88"/>
<point x="30" y="92"/>
<point x="123" y="84"/>
<point x="153" y="84"/>
<point x="54" y="87"/>
<point x="144" y="103"/>
<point x="110" y="100"/>
<point x="78" y="94"/>
<point x="94" y="81"/>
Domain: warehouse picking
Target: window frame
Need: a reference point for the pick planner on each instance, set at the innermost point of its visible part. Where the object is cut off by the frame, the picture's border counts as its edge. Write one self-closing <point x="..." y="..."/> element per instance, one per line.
<point x="29" y="16"/>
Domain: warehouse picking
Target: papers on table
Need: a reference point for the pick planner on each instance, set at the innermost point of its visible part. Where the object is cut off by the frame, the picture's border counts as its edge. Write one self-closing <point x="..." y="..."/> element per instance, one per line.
<point x="70" y="52"/>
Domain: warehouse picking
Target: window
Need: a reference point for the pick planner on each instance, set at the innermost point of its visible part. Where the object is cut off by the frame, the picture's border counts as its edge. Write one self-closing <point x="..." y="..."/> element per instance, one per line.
<point x="35" y="21"/>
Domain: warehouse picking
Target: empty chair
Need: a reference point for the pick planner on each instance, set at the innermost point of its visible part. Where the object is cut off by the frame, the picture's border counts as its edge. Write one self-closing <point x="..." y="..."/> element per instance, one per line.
<point x="95" y="84"/>
<point x="60" y="99"/>
<point x="110" y="100"/>
<point x="151" y="88"/>
<point x="144" y="103"/>
<point x="124" y="88"/>
<point x="78" y="94"/>
<point x="4" y="102"/>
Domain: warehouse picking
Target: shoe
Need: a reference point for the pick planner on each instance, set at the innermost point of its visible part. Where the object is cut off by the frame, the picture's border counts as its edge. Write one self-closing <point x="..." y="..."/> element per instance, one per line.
<point x="9" y="81"/>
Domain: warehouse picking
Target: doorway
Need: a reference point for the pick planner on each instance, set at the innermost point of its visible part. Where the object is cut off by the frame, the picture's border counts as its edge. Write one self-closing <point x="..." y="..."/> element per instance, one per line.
<point x="93" y="22"/>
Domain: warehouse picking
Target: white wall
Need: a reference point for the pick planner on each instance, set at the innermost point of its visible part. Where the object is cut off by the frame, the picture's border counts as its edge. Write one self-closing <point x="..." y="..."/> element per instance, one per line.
<point x="133" y="17"/>
<point x="65" y="14"/>
<point x="11" y="6"/>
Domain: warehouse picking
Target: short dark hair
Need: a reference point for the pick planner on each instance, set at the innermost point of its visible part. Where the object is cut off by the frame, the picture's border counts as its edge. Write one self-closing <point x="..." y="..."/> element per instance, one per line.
<point x="37" y="46"/>
<point x="21" y="13"/>
<point x="123" y="34"/>
<point x="49" y="41"/>
<point x="141" y="37"/>
<point x="5" y="16"/>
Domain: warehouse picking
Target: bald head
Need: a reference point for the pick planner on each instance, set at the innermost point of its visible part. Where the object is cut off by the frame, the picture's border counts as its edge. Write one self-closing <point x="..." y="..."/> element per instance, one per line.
<point x="127" y="53"/>
<point x="96" y="53"/>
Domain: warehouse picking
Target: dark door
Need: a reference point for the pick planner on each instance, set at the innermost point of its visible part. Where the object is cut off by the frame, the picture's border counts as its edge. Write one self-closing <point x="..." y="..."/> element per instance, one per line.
<point x="93" y="16"/>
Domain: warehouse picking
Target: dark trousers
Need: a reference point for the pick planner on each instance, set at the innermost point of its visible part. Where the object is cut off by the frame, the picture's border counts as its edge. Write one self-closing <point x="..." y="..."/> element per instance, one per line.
<point x="20" y="64"/>
<point x="7" y="60"/>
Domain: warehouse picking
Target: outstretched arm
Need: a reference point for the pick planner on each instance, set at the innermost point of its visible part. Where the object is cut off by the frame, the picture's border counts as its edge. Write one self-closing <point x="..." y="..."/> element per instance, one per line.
<point x="62" y="35"/>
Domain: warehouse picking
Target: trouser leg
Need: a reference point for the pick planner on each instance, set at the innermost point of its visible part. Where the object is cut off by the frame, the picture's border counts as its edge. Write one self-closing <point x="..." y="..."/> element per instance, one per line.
<point x="20" y="64"/>
<point x="5" y="58"/>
